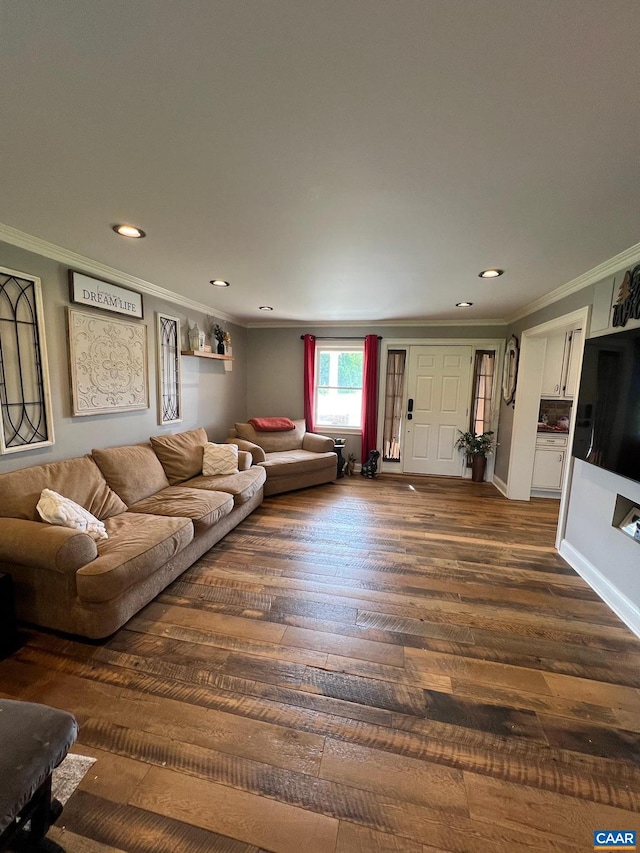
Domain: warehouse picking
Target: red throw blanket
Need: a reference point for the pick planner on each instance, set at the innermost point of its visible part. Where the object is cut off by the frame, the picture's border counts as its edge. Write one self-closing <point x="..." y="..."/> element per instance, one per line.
<point x="272" y="424"/>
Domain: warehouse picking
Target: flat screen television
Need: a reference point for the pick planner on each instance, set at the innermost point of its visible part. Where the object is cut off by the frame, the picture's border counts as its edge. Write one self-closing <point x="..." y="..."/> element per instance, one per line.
<point x="607" y="432"/>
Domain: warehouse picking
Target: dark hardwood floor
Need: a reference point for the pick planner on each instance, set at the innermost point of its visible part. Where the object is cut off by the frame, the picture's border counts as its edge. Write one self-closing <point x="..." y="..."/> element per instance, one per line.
<point x="402" y="664"/>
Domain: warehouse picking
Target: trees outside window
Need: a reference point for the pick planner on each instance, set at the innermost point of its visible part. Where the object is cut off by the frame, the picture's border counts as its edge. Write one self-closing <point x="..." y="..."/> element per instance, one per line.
<point x="338" y="392"/>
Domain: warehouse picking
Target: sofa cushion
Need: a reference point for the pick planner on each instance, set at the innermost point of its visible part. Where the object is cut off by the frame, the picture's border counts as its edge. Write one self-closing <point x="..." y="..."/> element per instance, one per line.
<point x="243" y="486"/>
<point x="56" y="509"/>
<point x="204" y="508"/>
<point x="297" y="461"/>
<point x="273" y="442"/>
<point x="79" y="479"/>
<point x="218" y="459"/>
<point x="134" y="472"/>
<point x="137" y="546"/>
<point x="180" y="454"/>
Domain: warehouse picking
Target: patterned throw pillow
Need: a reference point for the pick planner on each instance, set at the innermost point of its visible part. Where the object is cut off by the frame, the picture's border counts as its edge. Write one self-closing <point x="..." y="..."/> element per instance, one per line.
<point x="56" y="509"/>
<point x="219" y="459"/>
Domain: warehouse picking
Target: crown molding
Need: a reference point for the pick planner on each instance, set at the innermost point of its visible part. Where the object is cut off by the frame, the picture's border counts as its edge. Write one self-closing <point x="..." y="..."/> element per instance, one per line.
<point x="22" y="240"/>
<point x="603" y="270"/>
<point x="368" y="324"/>
<point x="91" y="267"/>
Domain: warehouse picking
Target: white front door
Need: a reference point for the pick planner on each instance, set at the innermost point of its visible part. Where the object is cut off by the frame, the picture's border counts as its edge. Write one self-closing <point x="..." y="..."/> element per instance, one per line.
<point x="439" y="383"/>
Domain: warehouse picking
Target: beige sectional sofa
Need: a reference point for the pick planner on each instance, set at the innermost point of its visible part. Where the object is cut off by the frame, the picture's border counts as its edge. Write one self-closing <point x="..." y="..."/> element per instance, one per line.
<point x="160" y="512"/>
<point x="292" y="459"/>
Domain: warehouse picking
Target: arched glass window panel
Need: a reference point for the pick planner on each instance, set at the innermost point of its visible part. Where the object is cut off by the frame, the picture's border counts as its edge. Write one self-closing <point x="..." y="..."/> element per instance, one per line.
<point x="25" y="397"/>
<point x="168" y="367"/>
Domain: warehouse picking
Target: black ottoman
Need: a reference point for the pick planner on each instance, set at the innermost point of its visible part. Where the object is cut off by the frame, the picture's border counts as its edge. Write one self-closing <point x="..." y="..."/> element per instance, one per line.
<point x="33" y="741"/>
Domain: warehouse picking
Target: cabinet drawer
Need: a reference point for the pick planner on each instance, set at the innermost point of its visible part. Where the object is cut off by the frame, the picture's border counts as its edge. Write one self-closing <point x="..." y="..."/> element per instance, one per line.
<point x="551" y="441"/>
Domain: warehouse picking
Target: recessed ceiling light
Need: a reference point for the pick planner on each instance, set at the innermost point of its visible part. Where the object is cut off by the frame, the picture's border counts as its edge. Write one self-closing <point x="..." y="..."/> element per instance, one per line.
<point x="490" y="273"/>
<point x="464" y="304"/>
<point x="219" y="282"/>
<point x="265" y="308"/>
<point x="129" y="231"/>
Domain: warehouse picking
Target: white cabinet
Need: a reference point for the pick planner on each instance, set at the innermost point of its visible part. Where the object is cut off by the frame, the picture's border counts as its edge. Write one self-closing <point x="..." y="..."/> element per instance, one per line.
<point x="562" y="359"/>
<point x="553" y="362"/>
<point x="548" y="463"/>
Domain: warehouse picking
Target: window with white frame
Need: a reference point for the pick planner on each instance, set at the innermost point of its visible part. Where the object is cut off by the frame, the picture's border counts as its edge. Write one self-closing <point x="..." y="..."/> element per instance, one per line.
<point x="338" y="392"/>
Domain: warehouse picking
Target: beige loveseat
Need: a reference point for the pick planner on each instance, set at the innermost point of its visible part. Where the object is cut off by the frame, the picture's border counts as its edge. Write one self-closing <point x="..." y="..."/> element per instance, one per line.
<point x="160" y="512"/>
<point x="293" y="459"/>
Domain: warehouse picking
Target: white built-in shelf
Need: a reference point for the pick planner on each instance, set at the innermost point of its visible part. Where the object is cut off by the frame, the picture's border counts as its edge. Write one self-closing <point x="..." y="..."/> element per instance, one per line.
<point x="203" y="354"/>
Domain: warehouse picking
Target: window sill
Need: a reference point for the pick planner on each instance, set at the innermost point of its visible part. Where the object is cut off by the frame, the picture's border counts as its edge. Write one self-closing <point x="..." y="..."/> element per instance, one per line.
<point x="331" y="430"/>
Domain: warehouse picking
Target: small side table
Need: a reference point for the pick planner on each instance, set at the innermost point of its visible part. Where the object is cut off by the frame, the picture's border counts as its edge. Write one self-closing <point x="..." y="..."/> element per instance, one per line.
<point x="8" y="630"/>
<point x="338" y="448"/>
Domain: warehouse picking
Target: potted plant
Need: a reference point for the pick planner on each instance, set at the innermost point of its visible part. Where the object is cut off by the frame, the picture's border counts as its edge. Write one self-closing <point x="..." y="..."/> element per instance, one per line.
<point x="219" y="333"/>
<point x="477" y="448"/>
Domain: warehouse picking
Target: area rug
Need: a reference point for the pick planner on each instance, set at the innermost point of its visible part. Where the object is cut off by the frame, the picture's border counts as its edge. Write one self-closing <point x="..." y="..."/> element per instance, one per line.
<point x="69" y="774"/>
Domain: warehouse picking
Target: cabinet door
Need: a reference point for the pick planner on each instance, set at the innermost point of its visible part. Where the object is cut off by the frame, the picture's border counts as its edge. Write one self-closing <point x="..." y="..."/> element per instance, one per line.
<point x="553" y="362"/>
<point x="547" y="469"/>
<point x="573" y="362"/>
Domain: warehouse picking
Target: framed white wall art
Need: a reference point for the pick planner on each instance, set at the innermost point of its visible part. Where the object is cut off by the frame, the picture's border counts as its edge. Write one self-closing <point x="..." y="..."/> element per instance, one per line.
<point x="168" y="365"/>
<point x="25" y="396"/>
<point x="108" y="363"/>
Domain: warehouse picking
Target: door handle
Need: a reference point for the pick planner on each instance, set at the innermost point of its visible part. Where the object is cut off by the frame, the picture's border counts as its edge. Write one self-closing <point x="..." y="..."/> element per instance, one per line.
<point x="410" y="408"/>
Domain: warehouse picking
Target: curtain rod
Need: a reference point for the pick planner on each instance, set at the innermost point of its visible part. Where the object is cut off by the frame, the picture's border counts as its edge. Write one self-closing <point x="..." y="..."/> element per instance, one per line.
<point x="344" y="338"/>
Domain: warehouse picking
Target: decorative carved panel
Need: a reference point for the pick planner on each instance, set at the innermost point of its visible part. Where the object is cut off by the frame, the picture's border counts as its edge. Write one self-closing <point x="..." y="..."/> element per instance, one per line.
<point x="108" y="360"/>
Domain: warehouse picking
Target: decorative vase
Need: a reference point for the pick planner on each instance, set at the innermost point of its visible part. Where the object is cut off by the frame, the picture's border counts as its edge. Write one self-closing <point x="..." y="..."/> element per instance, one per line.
<point x="220" y="348"/>
<point x="478" y="467"/>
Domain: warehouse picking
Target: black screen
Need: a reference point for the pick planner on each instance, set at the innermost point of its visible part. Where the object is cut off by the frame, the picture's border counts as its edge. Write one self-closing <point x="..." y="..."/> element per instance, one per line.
<point x="607" y="430"/>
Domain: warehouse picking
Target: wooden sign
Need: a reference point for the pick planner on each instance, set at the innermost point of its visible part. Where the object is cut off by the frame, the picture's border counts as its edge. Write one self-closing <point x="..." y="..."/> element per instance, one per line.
<point x="87" y="290"/>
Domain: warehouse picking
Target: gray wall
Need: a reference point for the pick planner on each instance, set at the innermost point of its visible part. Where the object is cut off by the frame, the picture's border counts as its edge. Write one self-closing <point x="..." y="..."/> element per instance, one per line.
<point x="212" y="397"/>
<point x="275" y="370"/>
<point x="275" y="362"/>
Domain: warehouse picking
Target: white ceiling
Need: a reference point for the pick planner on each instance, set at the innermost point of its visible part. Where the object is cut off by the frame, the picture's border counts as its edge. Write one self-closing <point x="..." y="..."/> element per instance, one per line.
<point x="340" y="160"/>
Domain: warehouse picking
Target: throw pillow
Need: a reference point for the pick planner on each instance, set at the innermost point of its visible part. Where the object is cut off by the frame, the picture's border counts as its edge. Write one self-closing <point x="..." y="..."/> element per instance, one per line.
<point x="180" y="454"/>
<point x="219" y="459"/>
<point x="56" y="509"/>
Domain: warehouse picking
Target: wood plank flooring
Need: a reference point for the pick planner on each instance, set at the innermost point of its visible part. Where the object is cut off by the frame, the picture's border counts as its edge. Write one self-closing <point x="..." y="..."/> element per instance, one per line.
<point x="402" y="665"/>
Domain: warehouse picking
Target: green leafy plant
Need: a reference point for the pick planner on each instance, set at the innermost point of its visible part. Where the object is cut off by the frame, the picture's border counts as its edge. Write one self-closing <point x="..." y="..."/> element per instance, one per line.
<point x="476" y="445"/>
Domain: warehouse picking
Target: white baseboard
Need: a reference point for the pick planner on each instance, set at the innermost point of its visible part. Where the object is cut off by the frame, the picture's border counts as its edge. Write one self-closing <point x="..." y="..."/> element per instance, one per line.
<point x="554" y="494"/>
<point x="500" y="485"/>
<point x="622" y="606"/>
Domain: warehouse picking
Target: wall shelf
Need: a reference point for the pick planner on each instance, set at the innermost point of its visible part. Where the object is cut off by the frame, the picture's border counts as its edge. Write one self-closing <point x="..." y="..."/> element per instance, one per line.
<point x="227" y="359"/>
<point x="203" y="354"/>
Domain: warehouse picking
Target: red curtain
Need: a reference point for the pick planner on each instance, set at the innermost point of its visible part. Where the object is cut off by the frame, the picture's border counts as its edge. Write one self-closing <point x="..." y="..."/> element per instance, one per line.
<point x="309" y="379"/>
<point x="370" y="396"/>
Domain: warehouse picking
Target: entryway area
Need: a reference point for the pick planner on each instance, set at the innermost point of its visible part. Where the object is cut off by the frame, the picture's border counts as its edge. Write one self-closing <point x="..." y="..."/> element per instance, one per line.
<point x="438" y="383"/>
<point x="431" y="390"/>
